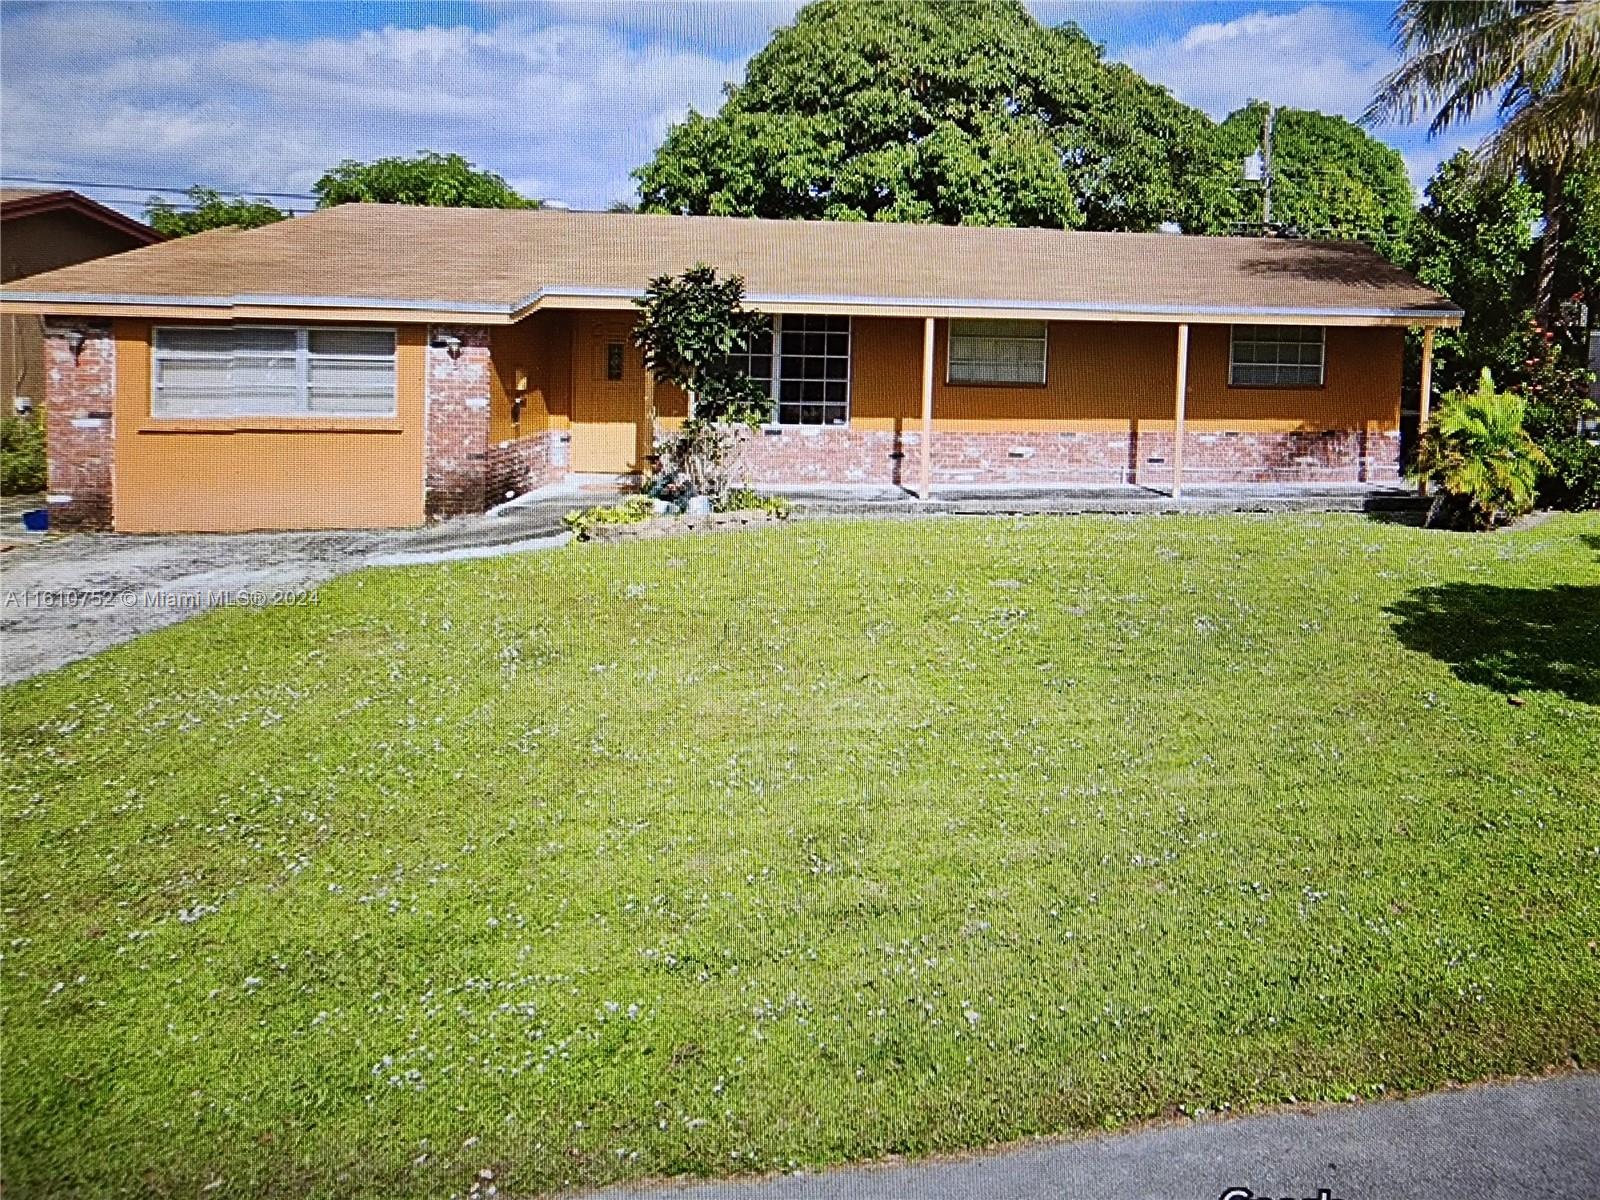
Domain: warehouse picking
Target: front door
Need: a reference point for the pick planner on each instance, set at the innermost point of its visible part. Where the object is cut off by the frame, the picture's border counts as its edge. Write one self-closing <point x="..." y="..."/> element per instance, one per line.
<point x="609" y="425"/>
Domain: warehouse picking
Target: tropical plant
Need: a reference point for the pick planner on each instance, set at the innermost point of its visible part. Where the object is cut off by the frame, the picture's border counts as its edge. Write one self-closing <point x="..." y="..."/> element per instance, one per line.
<point x="207" y="208"/>
<point x="1536" y="61"/>
<point x="690" y="327"/>
<point x="1480" y="458"/>
<point x="22" y="459"/>
<point x="430" y="179"/>
<point x="584" y="521"/>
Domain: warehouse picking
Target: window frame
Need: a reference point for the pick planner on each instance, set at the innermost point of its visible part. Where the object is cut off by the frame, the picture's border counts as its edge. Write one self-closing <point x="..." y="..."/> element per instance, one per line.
<point x="949" y="354"/>
<point x="1278" y="385"/>
<point x="775" y="380"/>
<point x="303" y="356"/>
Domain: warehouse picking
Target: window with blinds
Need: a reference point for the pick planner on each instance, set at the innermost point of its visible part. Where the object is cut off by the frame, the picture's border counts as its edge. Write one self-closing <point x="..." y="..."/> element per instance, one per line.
<point x="272" y="370"/>
<point x="998" y="351"/>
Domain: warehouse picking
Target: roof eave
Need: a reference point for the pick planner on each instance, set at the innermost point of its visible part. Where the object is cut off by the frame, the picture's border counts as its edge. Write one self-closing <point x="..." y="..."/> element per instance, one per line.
<point x="70" y="201"/>
<point x="266" y="306"/>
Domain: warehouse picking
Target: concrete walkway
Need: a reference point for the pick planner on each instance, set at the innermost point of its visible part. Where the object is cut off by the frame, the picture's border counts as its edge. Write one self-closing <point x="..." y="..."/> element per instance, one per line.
<point x="1509" y="1141"/>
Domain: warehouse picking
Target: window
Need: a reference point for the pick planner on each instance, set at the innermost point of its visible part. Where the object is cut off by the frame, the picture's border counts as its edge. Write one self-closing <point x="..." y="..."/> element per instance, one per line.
<point x="997" y="351"/>
<point x="805" y="364"/>
<point x="1276" y="356"/>
<point x="614" y="352"/>
<point x="272" y="370"/>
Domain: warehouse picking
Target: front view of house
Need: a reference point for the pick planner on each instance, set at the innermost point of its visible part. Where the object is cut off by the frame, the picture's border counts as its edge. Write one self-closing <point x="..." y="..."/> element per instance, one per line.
<point x="374" y="365"/>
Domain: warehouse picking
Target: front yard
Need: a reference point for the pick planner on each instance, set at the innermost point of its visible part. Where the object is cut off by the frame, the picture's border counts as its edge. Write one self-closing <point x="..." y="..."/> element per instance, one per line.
<point x="844" y="839"/>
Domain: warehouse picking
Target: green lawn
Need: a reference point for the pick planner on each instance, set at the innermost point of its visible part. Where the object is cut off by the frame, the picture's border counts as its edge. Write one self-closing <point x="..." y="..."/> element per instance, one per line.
<point x="737" y="853"/>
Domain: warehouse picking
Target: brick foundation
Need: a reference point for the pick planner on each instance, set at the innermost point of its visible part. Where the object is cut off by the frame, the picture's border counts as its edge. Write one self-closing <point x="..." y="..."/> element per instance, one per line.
<point x="522" y="465"/>
<point x="79" y="403"/>
<point x="839" y="455"/>
<point x="456" y="453"/>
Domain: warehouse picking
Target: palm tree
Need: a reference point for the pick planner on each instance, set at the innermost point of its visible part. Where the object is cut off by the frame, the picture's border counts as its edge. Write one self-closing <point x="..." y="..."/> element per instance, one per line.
<point x="1537" y="61"/>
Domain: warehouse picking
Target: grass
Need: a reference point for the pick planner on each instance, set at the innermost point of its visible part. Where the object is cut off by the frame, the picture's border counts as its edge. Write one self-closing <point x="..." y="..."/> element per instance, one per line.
<point x="732" y="854"/>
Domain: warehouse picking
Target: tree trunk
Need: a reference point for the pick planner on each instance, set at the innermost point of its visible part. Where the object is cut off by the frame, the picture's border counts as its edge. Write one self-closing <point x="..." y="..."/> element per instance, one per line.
<point x="1549" y="246"/>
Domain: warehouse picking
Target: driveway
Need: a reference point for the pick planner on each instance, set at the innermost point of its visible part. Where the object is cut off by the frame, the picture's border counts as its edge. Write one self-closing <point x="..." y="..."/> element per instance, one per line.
<point x="1506" y="1141"/>
<point x="65" y="598"/>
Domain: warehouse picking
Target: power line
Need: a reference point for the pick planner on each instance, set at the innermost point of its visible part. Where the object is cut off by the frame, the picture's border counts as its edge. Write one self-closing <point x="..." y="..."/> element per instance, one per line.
<point x="134" y="187"/>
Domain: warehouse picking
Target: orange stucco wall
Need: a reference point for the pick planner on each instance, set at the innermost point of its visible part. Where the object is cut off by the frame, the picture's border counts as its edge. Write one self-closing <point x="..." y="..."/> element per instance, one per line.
<point x="1099" y="375"/>
<point x="265" y="473"/>
<point x="537" y="353"/>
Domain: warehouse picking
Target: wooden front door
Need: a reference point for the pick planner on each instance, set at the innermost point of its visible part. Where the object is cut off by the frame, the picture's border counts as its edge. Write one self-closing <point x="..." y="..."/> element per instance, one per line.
<point x="610" y="429"/>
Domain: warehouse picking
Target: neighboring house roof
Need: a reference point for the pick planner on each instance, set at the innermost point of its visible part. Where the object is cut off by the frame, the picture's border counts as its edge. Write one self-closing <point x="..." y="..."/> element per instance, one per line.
<point x="496" y="265"/>
<point x="29" y="202"/>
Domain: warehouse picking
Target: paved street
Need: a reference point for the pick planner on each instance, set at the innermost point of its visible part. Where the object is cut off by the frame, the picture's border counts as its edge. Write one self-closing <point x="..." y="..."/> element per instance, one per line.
<point x="1513" y="1141"/>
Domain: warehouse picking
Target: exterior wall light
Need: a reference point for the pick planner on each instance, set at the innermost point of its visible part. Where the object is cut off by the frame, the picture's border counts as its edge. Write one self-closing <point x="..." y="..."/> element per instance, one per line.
<point x="75" y="340"/>
<point x="449" y="343"/>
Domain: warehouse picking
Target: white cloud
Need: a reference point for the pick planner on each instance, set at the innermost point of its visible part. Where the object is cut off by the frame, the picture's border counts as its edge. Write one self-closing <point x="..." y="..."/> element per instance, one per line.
<point x="563" y="108"/>
<point x="1316" y="57"/>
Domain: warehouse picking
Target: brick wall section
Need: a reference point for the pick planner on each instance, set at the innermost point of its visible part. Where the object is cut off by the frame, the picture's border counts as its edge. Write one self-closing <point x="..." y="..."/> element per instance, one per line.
<point x="519" y="466"/>
<point x="1099" y="457"/>
<point x="457" y="437"/>
<point x="79" y="399"/>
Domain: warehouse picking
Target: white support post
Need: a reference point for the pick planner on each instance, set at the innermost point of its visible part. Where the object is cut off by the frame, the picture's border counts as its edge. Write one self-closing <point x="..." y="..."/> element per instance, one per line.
<point x="1425" y="396"/>
<point x="925" y="489"/>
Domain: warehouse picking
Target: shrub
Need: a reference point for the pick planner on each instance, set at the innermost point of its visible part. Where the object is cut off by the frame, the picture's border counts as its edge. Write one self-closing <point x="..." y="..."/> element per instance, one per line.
<point x="582" y="521"/>
<point x="743" y="498"/>
<point x="22" y="467"/>
<point x="1479" y="457"/>
<point x="1572" y="479"/>
<point x="691" y="328"/>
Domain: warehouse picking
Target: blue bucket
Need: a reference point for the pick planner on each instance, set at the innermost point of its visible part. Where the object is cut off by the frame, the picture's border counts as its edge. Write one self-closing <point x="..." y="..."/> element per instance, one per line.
<point x="36" y="520"/>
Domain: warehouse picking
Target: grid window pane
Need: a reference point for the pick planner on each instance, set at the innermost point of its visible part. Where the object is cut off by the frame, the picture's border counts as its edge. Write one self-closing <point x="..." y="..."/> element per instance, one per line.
<point x="998" y="351"/>
<point x="272" y="370"/>
<point x="1276" y="356"/>
<point x="813" y="357"/>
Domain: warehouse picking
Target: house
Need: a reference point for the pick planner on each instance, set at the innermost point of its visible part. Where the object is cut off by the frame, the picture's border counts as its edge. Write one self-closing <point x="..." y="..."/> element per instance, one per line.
<point x="375" y="365"/>
<point x="40" y="230"/>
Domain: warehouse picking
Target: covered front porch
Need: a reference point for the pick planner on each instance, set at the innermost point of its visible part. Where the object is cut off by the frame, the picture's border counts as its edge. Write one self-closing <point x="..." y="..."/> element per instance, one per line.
<point x="939" y="406"/>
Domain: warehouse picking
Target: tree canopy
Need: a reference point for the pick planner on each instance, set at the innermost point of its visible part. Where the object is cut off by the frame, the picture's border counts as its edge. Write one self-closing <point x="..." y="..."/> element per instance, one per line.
<point x="942" y="112"/>
<point x="437" y="180"/>
<point x="1473" y="241"/>
<point x="209" y="209"/>
<point x="1330" y="177"/>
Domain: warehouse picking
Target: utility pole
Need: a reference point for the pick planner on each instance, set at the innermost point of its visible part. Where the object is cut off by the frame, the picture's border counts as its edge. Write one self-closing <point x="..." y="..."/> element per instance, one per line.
<point x="1266" y="174"/>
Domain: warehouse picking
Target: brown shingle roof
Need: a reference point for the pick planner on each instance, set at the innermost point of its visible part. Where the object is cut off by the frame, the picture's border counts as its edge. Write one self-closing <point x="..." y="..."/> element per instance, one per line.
<point x="499" y="263"/>
<point x="17" y="202"/>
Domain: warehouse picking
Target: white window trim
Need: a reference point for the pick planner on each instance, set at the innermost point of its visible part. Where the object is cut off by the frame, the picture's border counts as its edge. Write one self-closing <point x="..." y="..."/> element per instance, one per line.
<point x="777" y="378"/>
<point x="949" y="349"/>
<point x="1322" y="366"/>
<point x="302" y="355"/>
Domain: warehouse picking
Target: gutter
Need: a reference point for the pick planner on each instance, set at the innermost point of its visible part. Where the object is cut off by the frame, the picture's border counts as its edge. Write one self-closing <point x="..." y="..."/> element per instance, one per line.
<point x="552" y="298"/>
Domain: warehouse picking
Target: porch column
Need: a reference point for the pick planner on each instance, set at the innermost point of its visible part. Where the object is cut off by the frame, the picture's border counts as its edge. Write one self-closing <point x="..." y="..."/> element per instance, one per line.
<point x="647" y="451"/>
<point x="1180" y="390"/>
<point x="926" y="489"/>
<point x="1425" y="397"/>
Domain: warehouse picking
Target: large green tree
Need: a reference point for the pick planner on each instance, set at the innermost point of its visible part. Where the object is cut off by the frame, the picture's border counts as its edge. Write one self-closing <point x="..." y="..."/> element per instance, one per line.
<point x="206" y="208"/>
<point x="1537" y="62"/>
<point x="948" y="112"/>
<point x="1330" y="178"/>
<point x="433" y="179"/>
<point x="1473" y="241"/>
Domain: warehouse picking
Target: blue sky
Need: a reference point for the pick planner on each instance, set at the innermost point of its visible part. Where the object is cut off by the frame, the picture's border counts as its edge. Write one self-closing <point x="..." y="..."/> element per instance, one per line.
<point x="562" y="97"/>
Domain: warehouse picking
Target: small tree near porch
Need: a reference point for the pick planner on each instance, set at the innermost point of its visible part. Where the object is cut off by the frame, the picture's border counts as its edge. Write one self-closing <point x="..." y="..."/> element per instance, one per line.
<point x="690" y="327"/>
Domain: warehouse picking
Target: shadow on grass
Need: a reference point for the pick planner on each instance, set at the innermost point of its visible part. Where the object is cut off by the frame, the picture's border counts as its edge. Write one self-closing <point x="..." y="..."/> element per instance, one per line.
<point x="1509" y="639"/>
